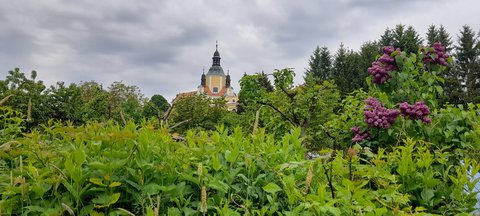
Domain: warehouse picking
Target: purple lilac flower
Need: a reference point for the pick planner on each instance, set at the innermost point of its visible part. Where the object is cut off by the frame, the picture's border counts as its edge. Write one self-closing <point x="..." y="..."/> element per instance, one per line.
<point x="419" y="110"/>
<point x="378" y="116"/>
<point x="380" y="68"/>
<point x="359" y="136"/>
<point x="436" y="55"/>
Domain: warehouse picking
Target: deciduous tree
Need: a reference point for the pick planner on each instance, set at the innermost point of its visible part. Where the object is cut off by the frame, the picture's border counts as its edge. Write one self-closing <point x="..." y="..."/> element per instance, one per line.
<point x="155" y="106"/>
<point x="25" y="91"/>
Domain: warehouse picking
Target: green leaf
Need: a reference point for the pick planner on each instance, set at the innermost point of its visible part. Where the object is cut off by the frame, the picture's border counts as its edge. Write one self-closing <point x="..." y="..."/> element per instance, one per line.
<point x="216" y="163"/>
<point x="150" y="212"/>
<point x="114" y="184"/>
<point x="151" y="188"/>
<point x="439" y="89"/>
<point x="174" y="211"/>
<point x="69" y="166"/>
<point x="97" y="181"/>
<point x="34" y="209"/>
<point x="271" y="188"/>
<point x="105" y="200"/>
<point x="218" y="185"/>
<point x="402" y="168"/>
<point x="188" y="211"/>
<point x="427" y="195"/>
<point x="390" y="131"/>
<point x="232" y="157"/>
<point x="79" y="156"/>
<point x="133" y="184"/>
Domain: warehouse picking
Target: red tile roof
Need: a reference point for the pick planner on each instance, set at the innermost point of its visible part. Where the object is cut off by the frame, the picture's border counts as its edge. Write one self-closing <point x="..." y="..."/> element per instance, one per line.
<point x="211" y="94"/>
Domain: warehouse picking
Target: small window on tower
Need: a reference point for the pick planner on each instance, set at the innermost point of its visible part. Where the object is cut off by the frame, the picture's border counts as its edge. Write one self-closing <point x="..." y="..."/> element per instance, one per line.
<point x="215" y="90"/>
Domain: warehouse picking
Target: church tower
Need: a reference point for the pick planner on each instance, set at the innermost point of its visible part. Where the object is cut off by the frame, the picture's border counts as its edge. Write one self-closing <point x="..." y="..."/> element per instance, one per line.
<point x="216" y="84"/>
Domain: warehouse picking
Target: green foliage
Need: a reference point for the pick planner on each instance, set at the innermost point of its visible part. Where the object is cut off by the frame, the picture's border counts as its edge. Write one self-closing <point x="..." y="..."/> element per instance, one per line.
<point x="426" y="175"/>
<point x="197" y="111"/>
<point x="124" y="102"/>
<point x="65" y="102"/>
<point x="350" y="114"/>
<point x="11" y="125"/>
<point x="155" y="106"/>
<point x="455" y="127"/>
<point x="24" y="89"/>
<point x="74" y="103"/>
<point x="286" y="107"/>
<point x="95" y="101"/>
<point x="102" y="168"/>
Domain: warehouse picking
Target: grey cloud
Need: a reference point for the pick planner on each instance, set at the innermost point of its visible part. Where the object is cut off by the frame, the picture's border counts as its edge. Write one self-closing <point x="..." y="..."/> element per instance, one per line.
<point x="161" y="46"/>
<point x="15" y="42"/>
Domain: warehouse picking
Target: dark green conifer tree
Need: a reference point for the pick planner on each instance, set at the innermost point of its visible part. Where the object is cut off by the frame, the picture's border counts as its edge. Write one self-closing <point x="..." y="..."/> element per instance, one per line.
<point x="407" y="39"/>
<point x="340" y="73"/>
<point x="319" y="66"/>
<point x="467" y="54"/>
<point x="441" y="35"/>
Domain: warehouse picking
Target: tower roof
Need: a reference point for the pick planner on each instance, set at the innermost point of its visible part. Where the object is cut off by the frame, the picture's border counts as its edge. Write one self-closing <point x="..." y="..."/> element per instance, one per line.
<point x="216" y="68"/>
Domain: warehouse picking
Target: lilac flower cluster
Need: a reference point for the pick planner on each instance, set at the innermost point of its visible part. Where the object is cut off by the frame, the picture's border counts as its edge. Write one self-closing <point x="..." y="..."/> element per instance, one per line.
<point x="359" y="136"/>
<point x="416" y="111"/>
<point x="436" y="55"/>
<point x="380" y="68"/>
<point x="378" y="116"/>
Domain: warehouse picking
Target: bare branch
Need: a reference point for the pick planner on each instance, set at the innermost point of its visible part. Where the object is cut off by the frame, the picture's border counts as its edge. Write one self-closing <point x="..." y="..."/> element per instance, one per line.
<point x="179" y="123"/>
<point x="279" y="112"/>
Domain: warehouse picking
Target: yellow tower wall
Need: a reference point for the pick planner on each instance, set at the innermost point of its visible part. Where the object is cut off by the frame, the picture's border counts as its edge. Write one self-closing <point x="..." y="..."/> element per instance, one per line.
<point x="215" y="81"/>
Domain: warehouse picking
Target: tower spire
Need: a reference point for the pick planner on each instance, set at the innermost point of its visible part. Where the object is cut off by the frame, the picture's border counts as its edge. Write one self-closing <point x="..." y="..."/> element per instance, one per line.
<point x="216" y="56"/>
<point x="227" y="79"/>
<point x="203" y="79"/>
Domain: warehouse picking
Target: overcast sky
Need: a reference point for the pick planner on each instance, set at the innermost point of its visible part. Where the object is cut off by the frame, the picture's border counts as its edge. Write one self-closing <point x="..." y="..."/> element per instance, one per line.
<point x="162" y="46"/>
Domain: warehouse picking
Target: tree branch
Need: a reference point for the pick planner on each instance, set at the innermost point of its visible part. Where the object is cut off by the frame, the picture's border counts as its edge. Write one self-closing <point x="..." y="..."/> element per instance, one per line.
<point x="179" y="123"/>
<point x="169" y="111"/>
<point x="151" y="105"/>
<point x="279" y="112"/>
<point x="290" y="95"/>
